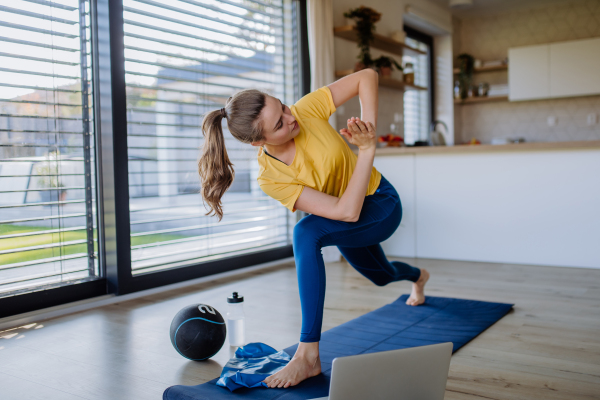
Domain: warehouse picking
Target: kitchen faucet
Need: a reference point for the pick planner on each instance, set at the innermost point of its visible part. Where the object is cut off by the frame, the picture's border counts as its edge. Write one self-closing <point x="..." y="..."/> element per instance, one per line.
<point x="437" y="138"/>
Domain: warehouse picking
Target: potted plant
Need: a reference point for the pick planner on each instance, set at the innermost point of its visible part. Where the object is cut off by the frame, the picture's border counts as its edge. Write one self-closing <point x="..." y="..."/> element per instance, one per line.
<point x="385" y="64"/>
<point x="466" y="65"/>
<point x="365" y="18"/>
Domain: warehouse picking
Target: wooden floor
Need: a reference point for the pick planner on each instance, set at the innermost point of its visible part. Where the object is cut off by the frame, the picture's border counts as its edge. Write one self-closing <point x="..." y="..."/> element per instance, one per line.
<point x="547" y="348"/>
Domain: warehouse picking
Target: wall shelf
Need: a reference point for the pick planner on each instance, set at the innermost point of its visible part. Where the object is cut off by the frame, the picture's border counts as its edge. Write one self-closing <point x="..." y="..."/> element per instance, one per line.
<point x="479" y="70"/>
<point x="386" y="82"/>
<point x="379" y="42"/>
<point x="482" y="99"/>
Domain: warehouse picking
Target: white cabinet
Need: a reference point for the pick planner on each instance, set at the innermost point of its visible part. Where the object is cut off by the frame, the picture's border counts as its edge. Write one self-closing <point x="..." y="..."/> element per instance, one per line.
<point x="554" y="70"/>
<point x="529" y="73"/>
<point x="575" y="68"/>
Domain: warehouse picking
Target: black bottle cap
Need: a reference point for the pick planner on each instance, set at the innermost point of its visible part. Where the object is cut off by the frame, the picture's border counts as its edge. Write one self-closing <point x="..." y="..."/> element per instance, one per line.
<point x="234" y="298"/>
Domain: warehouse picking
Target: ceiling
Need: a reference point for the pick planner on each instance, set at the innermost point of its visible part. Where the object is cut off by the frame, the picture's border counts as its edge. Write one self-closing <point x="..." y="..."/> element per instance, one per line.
<point x="490" y="7"/>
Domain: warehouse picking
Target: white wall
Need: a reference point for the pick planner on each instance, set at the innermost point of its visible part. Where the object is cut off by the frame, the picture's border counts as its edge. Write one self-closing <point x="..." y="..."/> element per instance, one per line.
<point x="488" y="37"/>
<point x="390" y="100"/>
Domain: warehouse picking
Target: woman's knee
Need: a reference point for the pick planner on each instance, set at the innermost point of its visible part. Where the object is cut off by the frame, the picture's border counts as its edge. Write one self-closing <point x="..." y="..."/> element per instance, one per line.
<point x="390" y="224"/>
<point x="308" y="231"/>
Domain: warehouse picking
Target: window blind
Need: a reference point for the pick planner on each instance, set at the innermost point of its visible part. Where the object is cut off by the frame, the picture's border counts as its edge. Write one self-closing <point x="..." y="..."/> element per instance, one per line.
<point x="184" y="58"/>
<point x="47" y="191"/>
<point x="416" y="102"/>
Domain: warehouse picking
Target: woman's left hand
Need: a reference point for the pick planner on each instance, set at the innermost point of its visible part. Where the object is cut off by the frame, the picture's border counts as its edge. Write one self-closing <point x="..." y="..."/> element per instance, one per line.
<point x="359" y="133"/>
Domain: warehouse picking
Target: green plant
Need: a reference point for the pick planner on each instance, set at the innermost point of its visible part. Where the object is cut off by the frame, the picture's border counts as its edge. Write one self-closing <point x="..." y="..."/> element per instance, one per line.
<point x="365" y="18"/>
<point x="466" y="65"/>
<point x="386" y="62"/>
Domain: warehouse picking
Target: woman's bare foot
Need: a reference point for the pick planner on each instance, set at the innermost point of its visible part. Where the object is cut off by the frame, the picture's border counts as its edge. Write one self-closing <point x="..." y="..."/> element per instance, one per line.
<point x="305" y="364"/>
<point x="418" y="289"/>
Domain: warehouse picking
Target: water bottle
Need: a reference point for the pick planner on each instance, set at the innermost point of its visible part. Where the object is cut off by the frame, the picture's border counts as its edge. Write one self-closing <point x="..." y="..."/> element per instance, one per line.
<point x="235" y="320"/>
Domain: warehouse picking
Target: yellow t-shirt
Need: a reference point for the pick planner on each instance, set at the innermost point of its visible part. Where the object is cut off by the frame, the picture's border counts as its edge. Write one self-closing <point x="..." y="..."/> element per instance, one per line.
<point x="323" y="160"/>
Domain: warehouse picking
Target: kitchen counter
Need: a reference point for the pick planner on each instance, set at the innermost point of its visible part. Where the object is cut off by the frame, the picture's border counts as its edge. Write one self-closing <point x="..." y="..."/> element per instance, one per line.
<point x="527" y="203"/>
<point x="482" y="148"/>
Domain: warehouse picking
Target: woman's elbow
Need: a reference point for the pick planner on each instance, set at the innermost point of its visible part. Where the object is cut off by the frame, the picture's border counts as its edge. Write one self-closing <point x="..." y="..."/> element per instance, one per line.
<point x="371" y="73"/>
<point x="369" y="81"/>
<point x="349" y="217"/>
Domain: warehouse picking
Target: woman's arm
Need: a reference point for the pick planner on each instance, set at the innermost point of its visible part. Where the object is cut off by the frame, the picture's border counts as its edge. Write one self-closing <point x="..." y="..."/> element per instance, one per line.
<point x="348" y="207"/>
<point x="363" y="83"/>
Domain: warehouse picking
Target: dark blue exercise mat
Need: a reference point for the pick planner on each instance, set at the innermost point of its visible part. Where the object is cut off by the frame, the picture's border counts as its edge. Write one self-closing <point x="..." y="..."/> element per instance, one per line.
<point x="391" y="327"/>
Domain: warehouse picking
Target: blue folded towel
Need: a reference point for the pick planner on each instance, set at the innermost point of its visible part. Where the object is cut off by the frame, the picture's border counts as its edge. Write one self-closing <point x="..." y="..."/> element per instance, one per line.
<point x="251" y="365"/>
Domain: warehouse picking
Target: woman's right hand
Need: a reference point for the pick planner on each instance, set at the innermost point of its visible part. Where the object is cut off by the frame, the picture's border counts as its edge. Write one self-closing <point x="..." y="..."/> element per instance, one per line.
<point x="361" y="134"/>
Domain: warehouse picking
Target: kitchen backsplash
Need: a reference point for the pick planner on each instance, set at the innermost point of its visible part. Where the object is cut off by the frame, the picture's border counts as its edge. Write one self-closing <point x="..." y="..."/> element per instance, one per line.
<point x="489" y="38"/>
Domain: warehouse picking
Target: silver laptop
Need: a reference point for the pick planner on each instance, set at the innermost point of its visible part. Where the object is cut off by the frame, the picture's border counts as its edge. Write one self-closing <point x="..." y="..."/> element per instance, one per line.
<point x="416" y="373"/>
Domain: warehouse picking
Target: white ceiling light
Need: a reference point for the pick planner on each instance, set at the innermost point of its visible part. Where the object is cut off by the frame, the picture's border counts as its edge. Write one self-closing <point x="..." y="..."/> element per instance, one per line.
<point x="461" y="3"/>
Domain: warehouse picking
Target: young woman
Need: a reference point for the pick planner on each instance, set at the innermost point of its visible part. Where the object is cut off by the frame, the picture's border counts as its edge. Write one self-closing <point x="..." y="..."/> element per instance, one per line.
<point x="307" y="166"/>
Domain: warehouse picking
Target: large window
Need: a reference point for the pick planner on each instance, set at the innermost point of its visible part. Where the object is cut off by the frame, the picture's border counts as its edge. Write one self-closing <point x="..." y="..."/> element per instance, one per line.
<point x="47" y="190"/>
<point x="101" y="104"/>
<point x="418" y="103"/>
<point x="184" y="58"/>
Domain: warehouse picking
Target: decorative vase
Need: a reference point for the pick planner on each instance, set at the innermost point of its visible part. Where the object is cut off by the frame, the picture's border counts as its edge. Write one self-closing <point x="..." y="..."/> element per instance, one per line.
<point x="359" y="66"/>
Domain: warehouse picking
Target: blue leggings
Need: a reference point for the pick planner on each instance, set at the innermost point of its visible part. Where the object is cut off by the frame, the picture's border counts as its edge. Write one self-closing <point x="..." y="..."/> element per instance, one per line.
<point x="359" y="244"/>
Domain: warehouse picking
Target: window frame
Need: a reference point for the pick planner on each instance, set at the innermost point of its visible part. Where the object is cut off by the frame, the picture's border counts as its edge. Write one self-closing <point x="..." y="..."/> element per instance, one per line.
<point x="114" y="240"/>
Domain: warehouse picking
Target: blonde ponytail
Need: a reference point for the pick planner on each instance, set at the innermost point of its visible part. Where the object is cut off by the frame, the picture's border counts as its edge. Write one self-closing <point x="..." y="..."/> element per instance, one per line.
<point x="215" y="168"/>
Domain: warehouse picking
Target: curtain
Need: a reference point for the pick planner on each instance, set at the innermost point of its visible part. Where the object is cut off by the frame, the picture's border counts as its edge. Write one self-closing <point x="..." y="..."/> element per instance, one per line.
<point x="320" y="45"/>
<point x="322" y="65"/>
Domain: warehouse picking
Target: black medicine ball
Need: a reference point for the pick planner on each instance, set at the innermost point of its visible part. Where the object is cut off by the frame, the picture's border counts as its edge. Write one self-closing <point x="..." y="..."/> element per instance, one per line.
<point x="198" y="332"/>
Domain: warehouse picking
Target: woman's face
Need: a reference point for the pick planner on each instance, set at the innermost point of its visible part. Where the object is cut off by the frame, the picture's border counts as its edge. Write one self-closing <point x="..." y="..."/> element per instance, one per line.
<point x="278" y="124"/>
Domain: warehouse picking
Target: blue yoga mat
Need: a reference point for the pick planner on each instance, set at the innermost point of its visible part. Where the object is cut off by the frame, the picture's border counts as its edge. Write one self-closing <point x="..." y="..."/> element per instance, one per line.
<point x="391" y="327"/>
